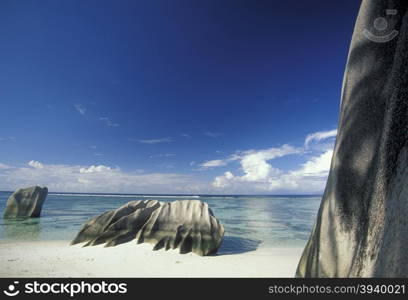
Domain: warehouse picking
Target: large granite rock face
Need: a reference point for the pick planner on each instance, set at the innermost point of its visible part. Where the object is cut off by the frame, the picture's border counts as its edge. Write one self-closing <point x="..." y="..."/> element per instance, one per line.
<point x="362" y="224"/>
<point x="26" y="203"/>
<point x="188" y="225"/>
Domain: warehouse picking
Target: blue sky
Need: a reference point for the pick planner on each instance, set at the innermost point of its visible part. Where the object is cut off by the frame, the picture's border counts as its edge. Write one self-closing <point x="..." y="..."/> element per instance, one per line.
<point x="171" y="96"/>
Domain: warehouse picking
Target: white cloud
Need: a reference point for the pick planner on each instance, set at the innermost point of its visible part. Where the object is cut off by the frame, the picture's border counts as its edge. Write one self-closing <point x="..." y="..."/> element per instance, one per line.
<point x="155" y="141"/>
<point x="224" y="180"/>
<point x="35" y="164"/>
<point x="316" y="166"/>
<point x="251" y="157"/>
<point x="320" y="135"/>
<point x="255" y="163"/>
<point x="259" y="175"/>
<point x="214" y="163"/>
<point x="80" y="108"/>
<point x="185" y="135"/>
<point x="221" y="162"/>
<point x="108" y="122"/>
<point x="310" y="177"/>
<point x="97" y="178"/>
<point x="95" y="169"/>
<point x="213" y="134"/>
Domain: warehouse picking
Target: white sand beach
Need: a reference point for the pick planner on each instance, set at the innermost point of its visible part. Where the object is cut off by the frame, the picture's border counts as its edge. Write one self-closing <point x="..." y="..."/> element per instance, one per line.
<point x="58" y="259"/>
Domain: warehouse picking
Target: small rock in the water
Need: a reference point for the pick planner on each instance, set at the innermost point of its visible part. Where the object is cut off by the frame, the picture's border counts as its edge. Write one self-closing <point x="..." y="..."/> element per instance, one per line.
<point x="188" y="225"/>
<point x="26" y="202"/>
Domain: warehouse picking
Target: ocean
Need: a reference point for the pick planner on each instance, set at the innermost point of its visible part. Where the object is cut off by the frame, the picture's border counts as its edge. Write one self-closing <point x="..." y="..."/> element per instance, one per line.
<point x="249" y="221"/>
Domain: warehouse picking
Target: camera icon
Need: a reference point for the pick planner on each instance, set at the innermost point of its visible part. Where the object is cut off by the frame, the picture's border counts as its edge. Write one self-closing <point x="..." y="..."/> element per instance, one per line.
<point x="11" y="290"/>
<point x="381" y="26"/>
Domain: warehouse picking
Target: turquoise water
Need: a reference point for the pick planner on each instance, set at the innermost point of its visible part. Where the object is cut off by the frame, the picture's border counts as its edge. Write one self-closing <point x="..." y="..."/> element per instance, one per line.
<point x="249" y="221"/>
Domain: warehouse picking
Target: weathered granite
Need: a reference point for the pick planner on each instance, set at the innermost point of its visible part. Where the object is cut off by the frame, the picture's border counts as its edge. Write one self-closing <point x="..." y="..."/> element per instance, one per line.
<point x="188" y="225"/>
<point x="362" y="224"/>
<point x="26" y="202"/>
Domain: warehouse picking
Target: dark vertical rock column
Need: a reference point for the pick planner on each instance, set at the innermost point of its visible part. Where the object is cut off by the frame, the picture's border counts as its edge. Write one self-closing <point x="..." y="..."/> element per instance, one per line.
<point x="362" y="224"/>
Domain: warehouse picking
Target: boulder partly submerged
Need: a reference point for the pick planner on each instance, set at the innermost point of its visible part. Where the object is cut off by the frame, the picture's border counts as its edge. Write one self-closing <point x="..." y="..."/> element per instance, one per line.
<point x="189" y="225"/>
<point x="362" y="227"/>
<point x="26" y="203"/>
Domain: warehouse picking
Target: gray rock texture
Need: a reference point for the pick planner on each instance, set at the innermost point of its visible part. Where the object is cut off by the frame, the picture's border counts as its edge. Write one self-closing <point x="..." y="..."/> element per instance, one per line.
<point x="188" y="225"/>
<point x="362" y="224"/>
<point x="26" y="203"/>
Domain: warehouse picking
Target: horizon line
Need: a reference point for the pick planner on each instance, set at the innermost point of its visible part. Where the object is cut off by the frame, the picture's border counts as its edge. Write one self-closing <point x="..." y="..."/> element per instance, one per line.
<point x="170" y="194"/>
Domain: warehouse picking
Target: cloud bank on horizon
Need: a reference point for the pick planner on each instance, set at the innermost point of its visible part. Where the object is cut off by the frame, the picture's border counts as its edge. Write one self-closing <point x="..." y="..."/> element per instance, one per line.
<point x="256" y="175"/>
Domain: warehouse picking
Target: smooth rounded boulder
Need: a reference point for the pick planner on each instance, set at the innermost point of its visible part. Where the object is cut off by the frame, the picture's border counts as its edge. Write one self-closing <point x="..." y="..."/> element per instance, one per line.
<point x="189" y="225"/>
<point x="26" y="203"/>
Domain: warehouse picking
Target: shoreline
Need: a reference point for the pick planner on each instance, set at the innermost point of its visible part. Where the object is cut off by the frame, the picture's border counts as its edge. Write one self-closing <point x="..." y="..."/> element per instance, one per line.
<point x="59" y="259"/>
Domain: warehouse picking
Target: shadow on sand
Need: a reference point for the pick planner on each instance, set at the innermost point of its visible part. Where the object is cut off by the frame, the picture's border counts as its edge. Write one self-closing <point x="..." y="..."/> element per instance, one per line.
<point x="237" y="245"/>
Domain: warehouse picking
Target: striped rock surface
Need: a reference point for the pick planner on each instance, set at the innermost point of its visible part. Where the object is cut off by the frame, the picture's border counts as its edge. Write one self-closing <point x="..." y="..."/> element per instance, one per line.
<point x="188" y="225"/>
